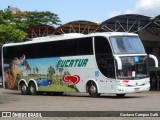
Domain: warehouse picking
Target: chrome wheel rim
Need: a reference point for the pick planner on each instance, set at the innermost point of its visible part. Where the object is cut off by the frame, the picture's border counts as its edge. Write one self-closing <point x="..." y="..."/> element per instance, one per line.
<point x="32" y="89"/>
<point x="24" y="88"/>
<point x="93" y="89"/>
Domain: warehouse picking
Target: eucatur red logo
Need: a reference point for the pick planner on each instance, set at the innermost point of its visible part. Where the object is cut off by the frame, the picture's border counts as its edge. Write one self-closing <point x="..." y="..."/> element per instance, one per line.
<point x="71" y="79"/>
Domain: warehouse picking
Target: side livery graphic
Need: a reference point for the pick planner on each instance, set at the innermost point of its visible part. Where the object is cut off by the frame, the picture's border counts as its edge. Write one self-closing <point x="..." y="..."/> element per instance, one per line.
<point x="72" y="63"/>
<point x="72" y="80"/>
<point x="12" y="72"/>
<point x="50" y="74"/>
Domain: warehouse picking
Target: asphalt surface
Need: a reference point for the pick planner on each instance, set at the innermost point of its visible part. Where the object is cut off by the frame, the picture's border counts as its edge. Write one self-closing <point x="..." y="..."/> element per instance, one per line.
<point x="11" y="100"/>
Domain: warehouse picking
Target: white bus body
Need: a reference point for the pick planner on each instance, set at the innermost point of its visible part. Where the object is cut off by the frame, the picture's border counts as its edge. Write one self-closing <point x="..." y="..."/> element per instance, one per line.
<point x="109" y="62"/>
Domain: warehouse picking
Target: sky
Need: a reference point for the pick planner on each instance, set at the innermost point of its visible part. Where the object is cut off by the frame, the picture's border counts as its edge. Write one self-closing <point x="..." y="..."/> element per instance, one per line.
<point x="91" y="10"/>
<point x="42" y="64"/>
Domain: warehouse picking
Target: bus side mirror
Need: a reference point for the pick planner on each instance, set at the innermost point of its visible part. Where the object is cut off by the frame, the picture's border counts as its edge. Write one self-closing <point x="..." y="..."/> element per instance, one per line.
<point x="155" y="59"/>
<point x="119" y="62"/>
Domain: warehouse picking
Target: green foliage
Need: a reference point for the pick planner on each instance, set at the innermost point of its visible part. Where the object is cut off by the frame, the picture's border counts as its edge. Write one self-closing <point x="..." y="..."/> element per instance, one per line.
<point x="58" y="88"/>
<point x="27" y="19"/>
<point x="67" y="73"/>
<point x="51" y="71"/>
<point x="13" y="26"/>
<point x="11" y="34"/>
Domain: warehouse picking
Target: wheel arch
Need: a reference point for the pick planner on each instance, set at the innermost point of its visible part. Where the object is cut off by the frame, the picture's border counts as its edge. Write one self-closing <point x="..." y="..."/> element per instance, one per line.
<point x="22" y="81"/>
<point x="33" y="81"/>
<point x="89" y="82"/>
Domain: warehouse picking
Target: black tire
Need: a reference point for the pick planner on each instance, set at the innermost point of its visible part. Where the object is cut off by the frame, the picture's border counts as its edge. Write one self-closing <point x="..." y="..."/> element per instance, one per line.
<point x="92" y="89"/>
<point x="23" y="88"/>
<point x="32" y="89"/>
<point x="120" y="95"/>
<point x="58" y="93"/>
<point x="55" y="93"/>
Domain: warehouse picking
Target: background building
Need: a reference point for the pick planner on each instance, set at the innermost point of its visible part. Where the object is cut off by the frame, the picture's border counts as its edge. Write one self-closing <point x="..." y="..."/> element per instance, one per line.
<point x="14" y="10"/>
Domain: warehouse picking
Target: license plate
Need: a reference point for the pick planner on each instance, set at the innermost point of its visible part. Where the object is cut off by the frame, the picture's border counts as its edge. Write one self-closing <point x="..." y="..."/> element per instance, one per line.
<point x="136" y="89"/>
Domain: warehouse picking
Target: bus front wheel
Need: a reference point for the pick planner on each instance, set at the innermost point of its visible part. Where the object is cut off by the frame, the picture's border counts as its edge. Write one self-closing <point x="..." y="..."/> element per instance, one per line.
<point x="32" y="88"/>
<point x="92" y="89"/>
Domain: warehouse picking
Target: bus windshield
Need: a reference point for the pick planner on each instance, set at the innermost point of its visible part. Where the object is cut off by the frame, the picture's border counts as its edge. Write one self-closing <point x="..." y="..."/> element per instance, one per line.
<point x="133" y="68"/>
<point x="127" y="45"/>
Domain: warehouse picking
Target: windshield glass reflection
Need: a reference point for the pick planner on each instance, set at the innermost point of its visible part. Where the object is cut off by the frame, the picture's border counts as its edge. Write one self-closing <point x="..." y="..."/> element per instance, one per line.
<point x="127" y="45"/>
<point x="133" y="67"/>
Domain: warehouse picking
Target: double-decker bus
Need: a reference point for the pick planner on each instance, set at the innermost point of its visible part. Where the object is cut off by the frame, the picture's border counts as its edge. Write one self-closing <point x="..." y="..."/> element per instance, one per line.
<point x="97" y="63"/>
<point x="0" y="65"/>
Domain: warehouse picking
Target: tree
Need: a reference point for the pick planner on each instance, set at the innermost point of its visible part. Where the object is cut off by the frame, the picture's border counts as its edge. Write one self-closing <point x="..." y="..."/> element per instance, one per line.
<point x="9" y="33"/>
<point x="13" y="26"/>
<point x="8" y="29"/>
<point x="66" y="73"/>
<point x="27" y="19"/>
<point x="50" y="72"/>
<point x="37" y="70"/>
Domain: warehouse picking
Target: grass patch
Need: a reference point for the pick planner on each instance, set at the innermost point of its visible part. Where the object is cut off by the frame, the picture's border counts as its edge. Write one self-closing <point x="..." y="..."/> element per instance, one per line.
<point x="58" y="88"/>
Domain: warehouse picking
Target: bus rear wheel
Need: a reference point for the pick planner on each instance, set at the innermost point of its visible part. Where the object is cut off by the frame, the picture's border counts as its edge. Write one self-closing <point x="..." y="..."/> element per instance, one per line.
<point x="32" y="89"/>
<point x="23" y="88"/>
<point x="92" y="89"/>
<point x="120" y="95"/>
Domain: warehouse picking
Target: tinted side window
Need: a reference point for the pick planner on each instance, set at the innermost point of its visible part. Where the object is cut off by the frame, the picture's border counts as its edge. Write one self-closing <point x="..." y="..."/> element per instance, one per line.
<point x="84" y="46"/>
<point x="0" y="61"/>
<point x="43" y="49"/>
<point x="30" y="50"/>
<point x="102" y="45"/>
<point x="73" y="47"/>
<point x="104" y="57"/>
<point x="12" y="51"/>
<point x="70" y="47"/>
<point x="8" y="52"/>
<point x="57" y="48"/>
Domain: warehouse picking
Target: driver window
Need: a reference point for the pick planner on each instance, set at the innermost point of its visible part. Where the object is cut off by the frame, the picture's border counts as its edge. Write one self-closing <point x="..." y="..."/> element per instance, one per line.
<point x="104" y="57"/>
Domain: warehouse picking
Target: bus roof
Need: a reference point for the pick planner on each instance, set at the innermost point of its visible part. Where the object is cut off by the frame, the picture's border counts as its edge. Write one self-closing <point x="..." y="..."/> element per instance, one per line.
<point x="70" y="36"/>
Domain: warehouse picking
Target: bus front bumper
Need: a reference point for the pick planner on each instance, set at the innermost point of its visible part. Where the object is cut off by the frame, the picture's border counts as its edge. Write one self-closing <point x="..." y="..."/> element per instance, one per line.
<point x="122" y="90"/>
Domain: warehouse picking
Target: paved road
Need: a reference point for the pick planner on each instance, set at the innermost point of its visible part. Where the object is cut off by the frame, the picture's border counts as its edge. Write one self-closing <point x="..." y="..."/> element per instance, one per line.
<point x="12" y="100"/>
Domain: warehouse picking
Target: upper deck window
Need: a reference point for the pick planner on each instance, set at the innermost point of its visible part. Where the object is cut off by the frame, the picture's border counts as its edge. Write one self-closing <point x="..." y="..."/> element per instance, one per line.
<point x="127" y="45"/>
